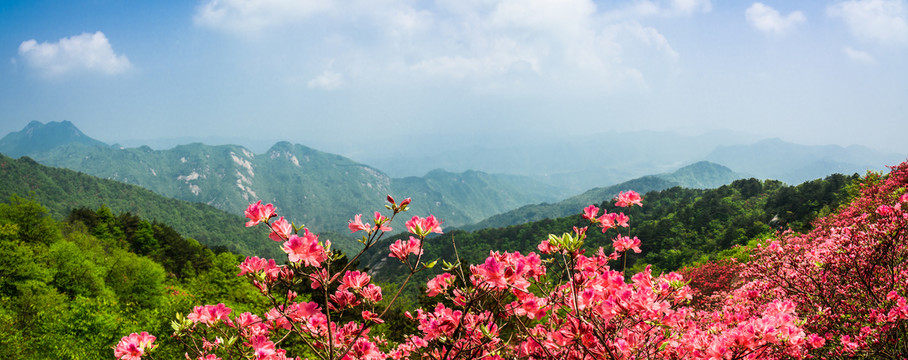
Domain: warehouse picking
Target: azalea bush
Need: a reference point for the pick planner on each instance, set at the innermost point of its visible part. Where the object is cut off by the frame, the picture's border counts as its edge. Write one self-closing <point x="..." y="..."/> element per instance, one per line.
<point x="848" y="277"/>
<point x="837" y="291"/>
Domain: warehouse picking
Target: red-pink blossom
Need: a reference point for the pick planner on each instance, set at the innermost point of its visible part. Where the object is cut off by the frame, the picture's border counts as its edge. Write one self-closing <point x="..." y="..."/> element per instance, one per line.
<point x="209" y="314"/>
<point x="357" y="224"/>
<point x="884" y="210"/>
<point x="342" y="299"/>
<point x="366" y="350"/>
<point x="133" y="346"/>
<point x="620" y="219"/>
<point x="401" y="250"/>
<point x="590" y="212"/>
<point x="439" y="284"/>
<point x="381" y="222"/>
<point x="422" y="227"/>
<point x="259" y="213"/>
<point x="281" y="230"/>
<point x="624" y="243"/>
<point x="305" y="249"/>
<point x="355" y="280"/>
<point x="629" y="198"/>
<point x="371" y="293"/>
<point x="371" y="316"/>
<point x="254" y="264"/>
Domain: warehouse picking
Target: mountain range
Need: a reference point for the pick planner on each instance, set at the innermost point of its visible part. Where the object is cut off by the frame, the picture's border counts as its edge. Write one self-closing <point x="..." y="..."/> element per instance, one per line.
<point x="323" y="190"/>
<point x="701" y="175"/>
<point x="583" y="162"/>
<point x="320" y="190"/>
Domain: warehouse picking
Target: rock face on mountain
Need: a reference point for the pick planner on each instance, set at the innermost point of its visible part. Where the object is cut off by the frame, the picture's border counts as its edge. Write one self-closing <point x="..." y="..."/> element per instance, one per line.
<point x="314" y="188"/>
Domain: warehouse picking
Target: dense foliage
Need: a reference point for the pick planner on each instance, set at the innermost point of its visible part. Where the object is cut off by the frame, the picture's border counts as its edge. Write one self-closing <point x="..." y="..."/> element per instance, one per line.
<point x="701" y="175"/>
<point x="681" y="226"/>
<point x="68" y="289"/>
<point x="848" y="277"/>
<point x="567" y="304"/>
<point x="61" y="190"/>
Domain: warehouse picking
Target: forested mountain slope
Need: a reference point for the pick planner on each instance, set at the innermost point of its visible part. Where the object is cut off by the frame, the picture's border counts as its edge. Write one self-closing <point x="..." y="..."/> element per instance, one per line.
<point x="62" y="190"/>
<point x="676" y="225"/>
<point x="701" y="175"/>
<point x="318" y="189"/>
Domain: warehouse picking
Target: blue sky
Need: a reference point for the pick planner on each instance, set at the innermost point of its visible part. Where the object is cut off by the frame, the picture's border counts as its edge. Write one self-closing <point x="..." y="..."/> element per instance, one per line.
<point x="358" y="75"/>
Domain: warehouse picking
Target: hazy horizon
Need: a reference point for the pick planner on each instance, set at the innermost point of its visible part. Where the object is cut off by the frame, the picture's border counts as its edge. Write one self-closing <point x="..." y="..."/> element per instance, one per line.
<point x="361" y="77"/>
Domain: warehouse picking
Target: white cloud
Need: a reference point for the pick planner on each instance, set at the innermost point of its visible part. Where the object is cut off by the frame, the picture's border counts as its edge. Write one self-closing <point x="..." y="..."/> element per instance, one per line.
<point x="688" y="7"/>
<point x="252" y="16"/>
<point x="883" y="21"/>
<point x="664" y="8"/>
<point x="858" y="56"/>
<point x="769" y="20"/>
<point x="473" y="43"/>
<point x="85" y="52"/>
<point x="327" y="80"/>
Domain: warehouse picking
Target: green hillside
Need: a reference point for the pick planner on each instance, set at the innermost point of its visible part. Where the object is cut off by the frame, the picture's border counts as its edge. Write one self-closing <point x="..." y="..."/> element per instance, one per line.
<point x="61" y="190"/>
<point x="677" y="226"/>
<point x="318" y="189"/>
<point x="701" y="175"/>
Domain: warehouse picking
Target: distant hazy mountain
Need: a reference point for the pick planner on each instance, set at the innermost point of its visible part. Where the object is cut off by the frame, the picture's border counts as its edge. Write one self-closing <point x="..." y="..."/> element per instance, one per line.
<point x="701" y="175"/>
<point x="37" y="137"/>
<point x="575" y="164"/>
<point x="794" y="164"/>
<point x="314" y="188"/>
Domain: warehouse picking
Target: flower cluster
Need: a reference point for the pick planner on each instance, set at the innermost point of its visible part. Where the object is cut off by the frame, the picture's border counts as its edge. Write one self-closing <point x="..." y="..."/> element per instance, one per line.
<point x="133" y="346"/>
<point x="838" y="291"/>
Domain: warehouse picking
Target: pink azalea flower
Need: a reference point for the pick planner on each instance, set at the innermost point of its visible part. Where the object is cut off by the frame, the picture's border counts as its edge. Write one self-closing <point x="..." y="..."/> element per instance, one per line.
<point x="254" y="264"/>
<point x="366" y="350"/>
<point x="606" y="221"/>
<point x="342" y="299"/>
<point x="884" y="210"/>
<point x="624" y="243"/>
<point x="629" y="198"/>
<point x="133" y="346"/>
<point x="259" y="213"/>
<point x="620" y="219"/>
<point x="401" y="250"/>
<point x="318" y="278"/>
<point x="590" y="213"/>
<point x="381" y="221"/>
<point x="299" y="312"/>
<point x="355" y="280"/>
<point x="209" y="314"/>
<point x="280" y="230"/>
<point x="439" y="284"/>
<point x="263" y="347"/>
<point x="357" y="224"/>
<point x="371" y="316"/>
<point x="423" y="227"/>
<point x="305" y="249"/>
<point x="372" y="293"/>
<point x="545" y="247"/>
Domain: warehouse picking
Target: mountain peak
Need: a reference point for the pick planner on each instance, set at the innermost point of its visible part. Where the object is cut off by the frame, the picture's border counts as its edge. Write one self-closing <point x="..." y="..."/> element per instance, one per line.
<point x="37" y="137"/>
<point x="704" y="175"/>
